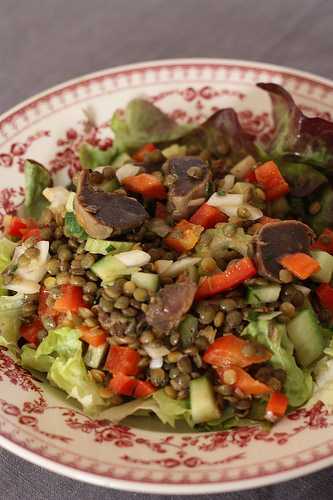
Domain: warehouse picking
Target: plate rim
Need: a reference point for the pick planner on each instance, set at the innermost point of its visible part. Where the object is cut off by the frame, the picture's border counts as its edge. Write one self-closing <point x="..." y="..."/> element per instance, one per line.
<point x="137" y="485"/>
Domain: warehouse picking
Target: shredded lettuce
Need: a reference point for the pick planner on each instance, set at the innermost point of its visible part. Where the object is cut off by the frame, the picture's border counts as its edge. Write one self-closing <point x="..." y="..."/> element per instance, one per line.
<point x="63" y="341"/>
<point x="37" y="178"/>
<point x="92" y="157"/>
<point x="73" y="228"/>
<point x="32" y="361"/>
<point x="7" y="248"/>
<point x="10" y="307"/>
<point x="298" y="385"/>
<point x="105" y="247"/>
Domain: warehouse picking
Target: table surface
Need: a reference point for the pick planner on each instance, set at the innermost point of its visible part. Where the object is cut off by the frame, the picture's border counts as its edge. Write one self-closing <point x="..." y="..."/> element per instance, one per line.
<point x="44" y="42"/>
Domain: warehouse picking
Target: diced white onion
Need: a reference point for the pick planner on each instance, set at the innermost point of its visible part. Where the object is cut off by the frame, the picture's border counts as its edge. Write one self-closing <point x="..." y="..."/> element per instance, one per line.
<point x="162" y="265"/>
<point x="197" y="202"/>
<point x="243" y="167"/>
<point x="228" y="182"/>
<point x="58" y="198"/>
<point x="156" y="352"/>
<point x="254" y="212"/>
<point x="179" y="266"/>
<point x="132" y="258"/>
<point x="23" y="286"/>
<point x="36" y="269"/>
<point x="304" y="289"/>
<point x="227" y="200"/>
<point x="126" y="171"/>
<point x="43" y="247"/>
<point x="156" y="363"/>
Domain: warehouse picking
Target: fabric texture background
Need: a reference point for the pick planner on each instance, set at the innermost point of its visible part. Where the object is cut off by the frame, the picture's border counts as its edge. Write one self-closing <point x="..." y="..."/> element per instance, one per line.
<point x="45" y="42"/>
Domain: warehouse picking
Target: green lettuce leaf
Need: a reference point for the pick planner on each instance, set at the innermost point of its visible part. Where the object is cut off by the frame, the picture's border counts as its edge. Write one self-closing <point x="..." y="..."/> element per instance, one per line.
<point x="7" y="248"/>
<point x="144" y="123"/>
<point x="324" y="218"/>
<point x="298" y="385"/>
<point x="92" y="157"/>
<point x="303" y="179"/>
<point x="63" y="341"/>
<point x="32" y="361"/>
<point x="214" y="242"/>
<point x="36" y="178"/>
<point x="73" y="228"/>
<point x="10" y="309"/>
<point x="71" y="375"/>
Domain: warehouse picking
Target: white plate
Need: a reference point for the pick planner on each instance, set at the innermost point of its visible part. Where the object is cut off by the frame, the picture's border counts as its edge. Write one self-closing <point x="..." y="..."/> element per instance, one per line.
<point x="38" y="424"/>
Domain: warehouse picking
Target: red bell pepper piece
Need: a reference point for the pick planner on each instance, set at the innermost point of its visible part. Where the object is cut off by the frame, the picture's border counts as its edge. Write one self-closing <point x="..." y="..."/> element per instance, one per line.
<point x="93" y="336"/>
<point x="124" y="360"/>
<point x="31" y="331"/>
<point x="325" y="296"/>
<point x="325" y="241"/>
<point x="16" y="226"/>
<point x="300" y="264"/>
<point x="139" y="155"/>
<point x="184" y="236"/>
<point x="143" y="389"/>
<point x="122" y="384"/>
<point x="208" y="216"/>
<point x="71" y="299"/>
<point x="234" y="275"/>
<point x="243" y="381"/>
<point x="277" y="406"/>
<point x="270" y="179"/>
<point x="231" y="350"/>
<point x="145" y="184"/>
<point x="33" y="232"/>
<point x="251" y="177"/>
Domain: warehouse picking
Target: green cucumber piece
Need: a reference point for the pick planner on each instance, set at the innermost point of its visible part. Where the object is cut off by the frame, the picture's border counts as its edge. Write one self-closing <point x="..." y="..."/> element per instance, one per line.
<point x="109" y="268"/>
<point x="95" y="355"/>
<point x="305" y="332"/>
<point x="203" y="404"/>
<point x="106" y="247"/>
<point x="263" y="294"/>
<point x="325" y="260"/>
<point x="148" y="281"/>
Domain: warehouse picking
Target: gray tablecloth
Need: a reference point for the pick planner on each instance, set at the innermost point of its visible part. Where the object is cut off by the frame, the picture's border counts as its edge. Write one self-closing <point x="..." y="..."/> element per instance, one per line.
<point x="44" y="42"/>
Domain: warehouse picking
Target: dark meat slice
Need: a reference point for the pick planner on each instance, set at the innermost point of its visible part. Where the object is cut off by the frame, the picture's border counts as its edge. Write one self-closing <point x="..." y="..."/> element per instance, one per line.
<point x="277" y="239"/>
<point x="191" y="177"/>
<point x="102" y="214"/>
<point x="169" y="306"/>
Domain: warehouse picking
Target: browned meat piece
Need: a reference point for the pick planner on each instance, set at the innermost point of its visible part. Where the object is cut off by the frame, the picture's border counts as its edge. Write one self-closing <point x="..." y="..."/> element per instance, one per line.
<point x="170" y="305"/>
<point x="102" y="214"/>
<point x="191" y="177"/>
<point x="277" y="239"/>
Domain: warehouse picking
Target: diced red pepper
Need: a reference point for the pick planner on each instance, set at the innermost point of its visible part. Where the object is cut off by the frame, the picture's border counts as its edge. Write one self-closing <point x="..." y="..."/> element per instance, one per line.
<point x="233" y="276"/>
<point x="16" y="226"/>
<point x="325" y="241"/>
<point x="123" y="359"/>
<point x="145" y="184"/>
<point x="123" y="384"/>
<point x="325" y="296"/>
<point x="271" y="180"/>
<point x="139" y="155"/>
<point x="250" y="177"/>
<point x="71" y="299"/>
<point x="277" y="406"/>
<point x="231" y="350"/>
<point x="208" y="216"/>
<point x="160" y="211"/>
<point x="243" y="381"/>
<point x="143" y="389"/>
<point x="31" y="233"/>
<point x="300" y="264"/>
<point x="93" y="336"/>
<point x="184" y="236"/>
<point x="31" y="331"/>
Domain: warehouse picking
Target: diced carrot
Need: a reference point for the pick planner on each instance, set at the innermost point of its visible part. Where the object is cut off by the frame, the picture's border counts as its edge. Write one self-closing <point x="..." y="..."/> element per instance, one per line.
<point x="234" y="275"/>
<point x="139" y="155"/>
<point x="93" y="336"/>
<point x="145" y="184"/>
<point x="231" y="350"/>
<point x="243" y="381"/>
<point x="184" y="236"/>
<point x="325" y="296"/>
<point x="123" y="359"/>
<point x="208" y="216"/>
<point x="277" y="406"/>
<point x="143" y="389"/>
<point x="71" y="299"/>
<point x="271" y="180"/>
<point x="122" y="384"/>
<point x="160" y="210"/>
<point x="325" y="241"/>
<point x="300" y="264"/>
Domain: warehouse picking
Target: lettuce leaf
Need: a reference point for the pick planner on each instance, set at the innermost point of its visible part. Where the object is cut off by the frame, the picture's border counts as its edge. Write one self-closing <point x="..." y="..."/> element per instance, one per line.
<point x="309" y="139"/>
<point x="324" y="218"/>
<point x="303" y="179"/>
<point x="214" y="242"/>
<point x="32" y="361"/>
<point x="92" y="157"/>
<point x="71" y="375"/>
<point x="7" y="248"/>
<point x="73" y="228"/>
<point x="63" y="341"/>
<point x="143" y="123"/>
<point x="298" y="385"/>
<point x="10" y="308"/>
<point x="36" y="178"/>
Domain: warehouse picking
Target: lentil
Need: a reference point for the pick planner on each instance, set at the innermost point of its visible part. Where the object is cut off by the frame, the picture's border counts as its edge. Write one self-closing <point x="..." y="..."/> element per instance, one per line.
<point x="129" y="288"/>
<point x="158" y="377"/>
<point x="229" y="376"/>
<point x="183" y="394"/>
<point x="52" y="266"/>
<point x="224" y="390"/>
<point x="90" y="287"/>
<point x="140" y="294"/>
<point x="130" y="312"/>
<point x="288" y="309"/>
<point x="233" y="319"/>
<point x="63" y="279"/>
<point x="77" y="281"/>
<point x="106" y="305"/>
<point x="64" y="253"/>
<point x="174" y="356"/>
<point x="98" y="375"/>
<point x="87" y="260"/>
<point x="206" y="312"/>
<point x="173" y="373"/>
<point x="91" y="322"/>
<point x="174" y="338"/>
<point x="146" y="337"/>
<point x="184" y="364"/>
<point x="314" y="208"/>
<point x="122" y="302"/>
<point x="202" y="343"/>
<point x="195" y="172"/>
<point x="275" y="384"/>
<point x="228" y="305"/>
<point x="219" y="319"/>
<point x="170" y="391"/>
<point x="285" y="276"/>
<point x="181" y="382"/>
<point x="243" y="213"/>
<point x="50" y="282"/>
<point x="85" y="312"/>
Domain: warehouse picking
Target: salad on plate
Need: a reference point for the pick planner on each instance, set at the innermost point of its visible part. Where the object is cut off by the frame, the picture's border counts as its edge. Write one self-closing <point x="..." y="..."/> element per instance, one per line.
<point x="185" y="272"/>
